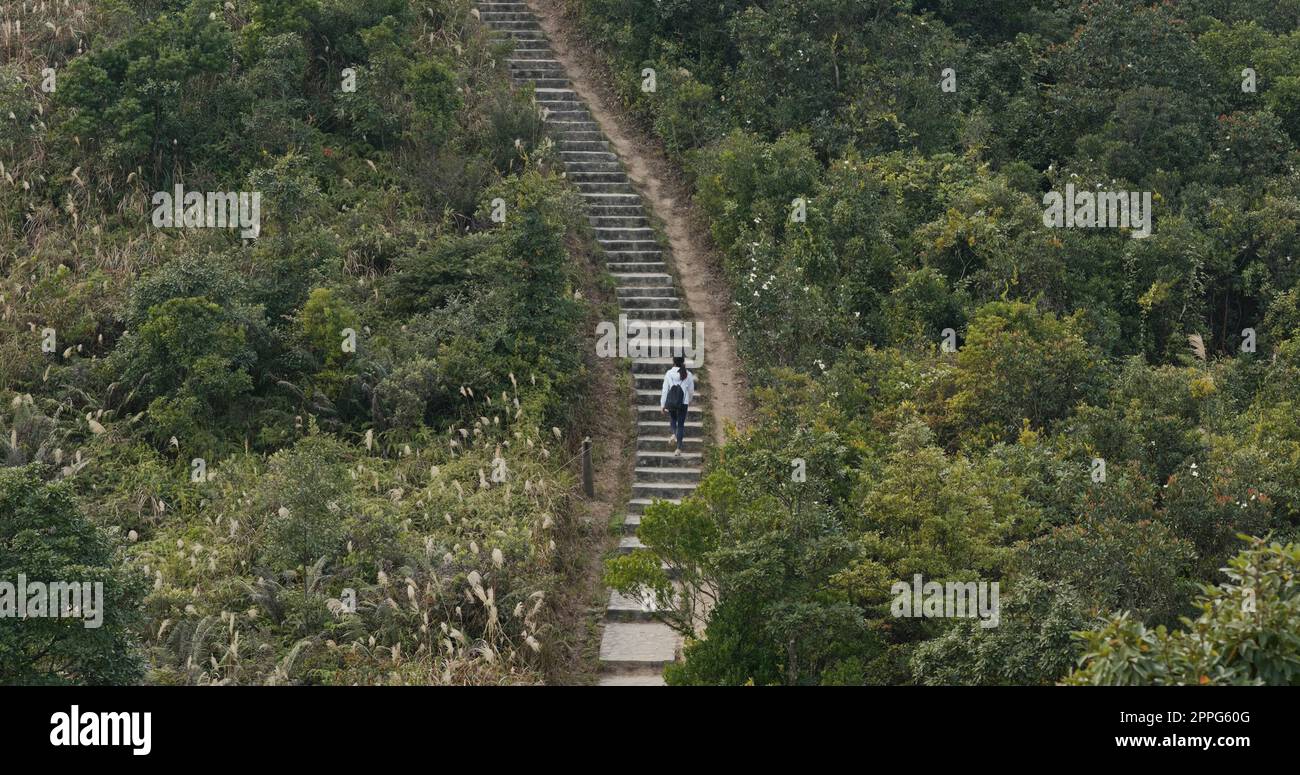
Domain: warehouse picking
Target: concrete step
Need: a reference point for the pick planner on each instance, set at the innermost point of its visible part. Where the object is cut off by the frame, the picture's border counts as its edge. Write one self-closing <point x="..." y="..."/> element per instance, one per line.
<point x="605" y="167"/>
<point x="674" y="313"/>
<point x="632" y="296"/>
<point x="643" y="291"/>
<point x="670" y="474"/>
<point x="663" y="443"/>
<point x="548" y="82"/>
<point x="537" y="77"/>
<point x="583" y="144"/>
<point x="562" y="94"/>
<point x="582" y="126"/>
<point x="596" y="176"/>
<point x="634" y="678"/>
<point x="662" y="459"/>
<point x="663" y="490"/>
<point x="554" y="106"/>
<point x="649" y="302"/>
<point x="520" y="22"/>
<point x="641" y="261"/>
<point x="599" y="207"/>
<point x="621" y="268"/>
<point x="518" y="34"/>
<point x="601" y="199"/>
<point x="640" y="607"/>
<point x="628" y="245"/>
<point x="633" y="645"/>
<point x="618" y="221"/>
<point x="641" y="278"/>
<point x="600" y="154"/>
<point x="604" y="188"/>
<point x="627" y="256"/>
<point x="656" y="427"/>
<point x="562" y="116"/>
<point x="629" y="543"/>
<point x="565" y="133"/>
<point x="615" y="212"/>
<point x="643" y="234"/>
<point x="560" y="99"/>
<point x="636" y="506"/>
<point x="639" y="267"/>
<point x="538" y="53"/>
<point x="535" y="68"/>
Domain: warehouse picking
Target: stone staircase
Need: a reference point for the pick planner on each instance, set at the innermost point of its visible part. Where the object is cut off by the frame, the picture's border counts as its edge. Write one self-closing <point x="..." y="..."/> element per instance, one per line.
<point x="634" y="647"/>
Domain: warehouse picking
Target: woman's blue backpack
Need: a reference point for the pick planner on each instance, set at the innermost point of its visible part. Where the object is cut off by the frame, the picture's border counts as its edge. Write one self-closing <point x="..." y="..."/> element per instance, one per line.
<point x="676" y="398"/>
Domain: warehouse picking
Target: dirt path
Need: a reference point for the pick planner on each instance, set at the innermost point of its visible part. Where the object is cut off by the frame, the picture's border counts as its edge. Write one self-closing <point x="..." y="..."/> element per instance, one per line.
<point x="666" y="192"/>
<point x="591" y="537"/>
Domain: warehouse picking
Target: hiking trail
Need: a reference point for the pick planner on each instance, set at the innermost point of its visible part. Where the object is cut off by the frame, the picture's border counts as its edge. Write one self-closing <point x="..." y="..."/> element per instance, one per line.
<point x="622" y="188"/>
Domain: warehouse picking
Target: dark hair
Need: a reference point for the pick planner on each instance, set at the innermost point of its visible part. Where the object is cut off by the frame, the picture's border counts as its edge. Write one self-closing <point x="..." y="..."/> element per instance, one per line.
<point x="680" y="362"/>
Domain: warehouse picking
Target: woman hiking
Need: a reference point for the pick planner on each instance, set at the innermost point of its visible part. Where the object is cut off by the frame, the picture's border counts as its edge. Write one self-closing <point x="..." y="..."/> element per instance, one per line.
<point x="679" y="388"/>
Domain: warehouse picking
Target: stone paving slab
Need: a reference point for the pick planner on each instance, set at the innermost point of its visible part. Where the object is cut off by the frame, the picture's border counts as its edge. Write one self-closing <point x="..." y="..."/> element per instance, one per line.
<point x="637" y="644"/>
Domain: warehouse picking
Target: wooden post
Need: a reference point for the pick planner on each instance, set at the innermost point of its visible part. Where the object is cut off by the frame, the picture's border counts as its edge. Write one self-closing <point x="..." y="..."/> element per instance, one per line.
<point x="588" y="482"/>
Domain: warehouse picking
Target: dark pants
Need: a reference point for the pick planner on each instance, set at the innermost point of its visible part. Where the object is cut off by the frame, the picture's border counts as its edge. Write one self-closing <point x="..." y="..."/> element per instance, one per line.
<point x="677" y="423"/>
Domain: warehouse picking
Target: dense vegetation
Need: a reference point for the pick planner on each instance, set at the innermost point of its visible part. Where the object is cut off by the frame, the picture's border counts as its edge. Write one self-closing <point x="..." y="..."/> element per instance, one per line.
<point x="271" y="503"/>
<point x="924" y="213"/>
<point x="335" y="453"/>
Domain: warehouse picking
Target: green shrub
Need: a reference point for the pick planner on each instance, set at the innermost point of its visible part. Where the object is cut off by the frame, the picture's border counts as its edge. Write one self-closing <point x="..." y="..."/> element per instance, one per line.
<point x="45" y="538"/>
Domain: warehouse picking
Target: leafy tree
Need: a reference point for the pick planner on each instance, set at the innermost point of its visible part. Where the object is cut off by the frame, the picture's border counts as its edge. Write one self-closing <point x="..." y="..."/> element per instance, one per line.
<point x="45" y="538"/>
<point x="1137" y="566"/>
<point x="324" y="319"/>
<point x="189" y="361"/>
<point x="304" y="494"/>
<point x="1245" y="633"/>
<point x="1034" y="642"/>
<point x="130" y="97"/>
<point x="759" y="569"/>
<point x="1018" y="364"/>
